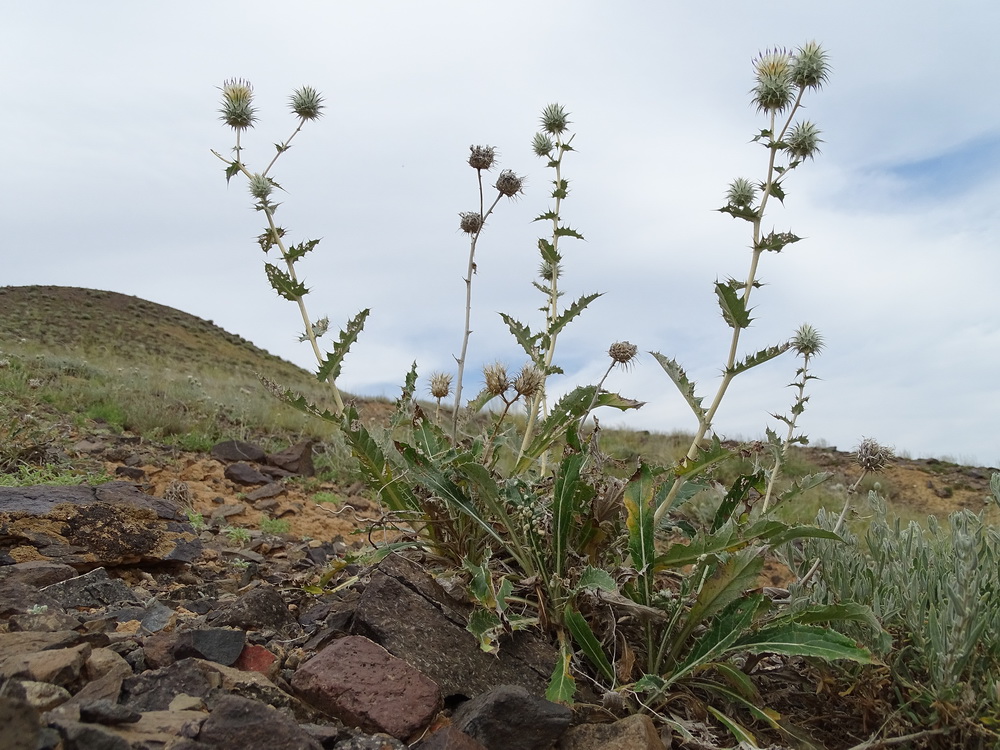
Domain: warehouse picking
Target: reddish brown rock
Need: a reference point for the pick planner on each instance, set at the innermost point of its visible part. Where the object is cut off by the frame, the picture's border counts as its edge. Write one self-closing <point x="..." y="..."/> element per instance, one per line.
<point x="363" y="685"/>
<point x="257" y="659"/>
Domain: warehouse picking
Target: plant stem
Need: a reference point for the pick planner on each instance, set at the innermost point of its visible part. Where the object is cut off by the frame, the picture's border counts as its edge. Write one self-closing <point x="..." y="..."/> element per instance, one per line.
<point x="778" y="461"/>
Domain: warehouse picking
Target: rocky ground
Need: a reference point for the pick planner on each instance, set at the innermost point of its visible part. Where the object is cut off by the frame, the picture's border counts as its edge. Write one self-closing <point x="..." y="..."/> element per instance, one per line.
<point x="125" y="625"/>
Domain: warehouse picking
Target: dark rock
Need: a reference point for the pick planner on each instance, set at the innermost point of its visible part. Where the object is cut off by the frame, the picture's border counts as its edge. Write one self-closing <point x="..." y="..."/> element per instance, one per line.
<point x="487" y="718"/>
<point x="36" y="573"/>
<point x="237" y="450"/>
<point x="16" y="644"/>
<point x="449" y="738"/>
<point x="155" y="689"/>
<point x="18" y="597"/>
<point x="259" y="497"/>
<point x="221" y="645"/>
<point x="79" y="736"/>
<point x="93" y="589"/>
<point x="245" y="474"/>
<point x="261" y="608"/>
<point x="223" y="512"/>
<point x="241" y="723"/>
<point x="43" y="622"/>
<point x="61" y="666"/>
<point x="297" y="459"/>
<point x="370" y="742"/>
<point x="364" y="686"/>
<point x="106" y="712"/>
<point x="635" y="732"/>
<point x="130" y="472"/>
<point x="156" y="617"/>
<point x="41" y="696"/>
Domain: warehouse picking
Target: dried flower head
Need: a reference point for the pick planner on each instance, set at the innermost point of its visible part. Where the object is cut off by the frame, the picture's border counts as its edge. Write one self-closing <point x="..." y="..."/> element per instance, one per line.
<point x="623" y="353"/>
<point x="470" y="222"/>
<point x="529" y="381"/>
<point x="482" y="157"/>
<point x="237" y="108"/>
<point x="509" y="184"/>
<point x="307" y="103"/>
<point x="873" y="457"/>
<point x="261" y="187"/>
<point x="803" y="140"/>
<point x="440" y="385"/>
<point x="742" y="193"/>
<point x="496" y="378"/>
<point x="774" y="89"/>
<point x="811" y="68"/>
<point x="807" y="340"/>
<point x="542" y="145"/>
<point x="555" y="119"/>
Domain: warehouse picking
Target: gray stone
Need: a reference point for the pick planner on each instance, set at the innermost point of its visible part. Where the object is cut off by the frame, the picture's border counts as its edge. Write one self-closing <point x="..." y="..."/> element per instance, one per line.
<point x="155" y="689"/>
<point x="261" y="608"/>
<point x="37" y="573"/>
<point x="242" y="723"/>
<point x="450" y="738"/>
<point x="237" y="450"/>
<point x="221" y="645"/>
<point x="296" y="459"/>
<point x="20" y="597"/>
<point x="635" y="732"/>
<point x="61" y="666"/>
<point x="92" y="590"/>
<point x="106" y="712"/>
<point x="487" y="718"/>
<point x="42" y="696"/>
<point x="245" y="474"/>
<point x="20" y="722"/>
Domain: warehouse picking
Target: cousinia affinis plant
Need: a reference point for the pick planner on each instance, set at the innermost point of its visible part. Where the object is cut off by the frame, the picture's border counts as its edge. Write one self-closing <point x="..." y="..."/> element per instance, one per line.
<point x="552" y="143"/>
<point x="508" y="185"/>
<point x="782" y="79"/>
<point x="239" y="113"/>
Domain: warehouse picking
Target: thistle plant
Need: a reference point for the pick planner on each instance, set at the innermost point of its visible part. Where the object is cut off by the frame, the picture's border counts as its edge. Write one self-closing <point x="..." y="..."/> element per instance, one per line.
<point x="782" y="79"/>
<point x="239" y="113"/>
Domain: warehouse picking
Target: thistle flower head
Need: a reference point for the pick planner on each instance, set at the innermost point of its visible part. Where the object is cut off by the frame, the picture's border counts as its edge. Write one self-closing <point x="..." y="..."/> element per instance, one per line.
<point x="742" y="193"/>
<point x="773" y="91"/>
<point x="549" y="271"/>
<point x="497" y="381"/>
<point x="307" y="103"/>
<point x="237" y="108"/>
<point x="872" y="456"/>
<point x="807" y="341"/>
<point x="482" y="157"/>
<point x="542" y="145"/>
<point x="623" y="353"/>
<point x="261" y="187"/>
<point x="440" y="385"/>
<point x="509" y="184"/>
<point x="529" y="381"/>
<point x="811" y="68"/>
<point x="470" y="222"/>
<point x="555" y="119"/>
<point x="803" y="140"/>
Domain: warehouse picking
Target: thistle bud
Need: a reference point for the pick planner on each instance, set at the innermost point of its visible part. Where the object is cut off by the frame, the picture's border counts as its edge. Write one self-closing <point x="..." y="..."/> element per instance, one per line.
<point x="237" y="108"/>
<point x="307" y="103"/>
<point x="807" y="341"/>
<point x="542" y="145"/>
<point x="261" y="187"/>
<point x="482" y="157"/>
<point x="509" y="184"/>
<point x="555" y="119"/>
<point x="873" y="457"/>
<point x="529" y="381"/>
<point x="773" y="92"/>
<point x="742" y="193"/>
<point x="440" y="385"/>
<point x="496" y="378"/>
<point x="811" y="68"/>
<point x="803" y="140"/>
<point x="623" y="353"/>
<point x="470" y="222"/>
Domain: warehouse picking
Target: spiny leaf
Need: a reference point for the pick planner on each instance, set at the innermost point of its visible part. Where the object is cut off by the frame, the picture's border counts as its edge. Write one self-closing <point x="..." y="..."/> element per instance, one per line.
<point x="480" y="401"/>
<point x="409" y="384"/>
<point x="708" y="455"/>
<point x="547" y="216"/>
<point x="567" y="232"/>
<point x="804" y="483"/>
<point x="775" y="189"/>
<point x="734" y="308"/>
<point x="684" y="385"/>
<point x="720" y="636"/>
<point x="793" y="639"/>
<point x="486" y="627"/>
<point x="571" y="312"/>
<point x="775" y="241"/>
<point x="570" y="495"/>
<point x="330" y="369"/>
<point x="738" y="493"/>
<point x="595" y="578"/>
<point x="740" y="212"/>
<point x="550" y="255"/>
<point x="283" y="283"/>
<point x="232" y="170"/>
<point x="297" y="251"/>
<point x="758" y="358"/>
<point x="522" y="334"/>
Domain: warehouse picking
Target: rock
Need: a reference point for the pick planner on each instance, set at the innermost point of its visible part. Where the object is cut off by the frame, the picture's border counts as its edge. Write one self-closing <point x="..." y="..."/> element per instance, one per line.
<point x="296" y="459"/>
<point x="19" y="597"/>
<point x="259" y="497"/>
<point x="80" y="736"/>
<point x="130" y="472"/>
<point x="237" y="450"/>
<point x="37" y="573"/>
<point x="261" y="608"/>
<point x="370" y="742"/>
<point x="220" y="645"/>
<point x="43" y="622"/>
<point x="241" y="723"/>
<point x="256" y="658"/>
<point x="363" y="685"/>
<point x="61" y="666"/>
<point x="94" y="589"/>
<point x="487" y="718"/>
<point x="245" y="474"/>
<point x="106" y="712"/>
<point x="20" y="722"/>
<point x="41" y="696"/>
<point x="449" y="738"/>
<point x="153" y="690"/>
<point x="632" y="733"/>
<point x="16" y="644"/>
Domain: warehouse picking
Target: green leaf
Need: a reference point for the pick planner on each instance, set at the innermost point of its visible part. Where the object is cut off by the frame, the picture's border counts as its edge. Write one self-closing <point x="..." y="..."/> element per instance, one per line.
<point x="684" y="385"/>
<point x="734" y="309"/>
<point x="758" y="358"/>
<point x="562" y="686"/>
<point x="571" y="312"/>
<point x="480" y="401"/>
<point x="547" y="216"/>
<point x="740" y="212"/>
<point x="588" y="643"/>
<point x="707" y="456"/>
<point x="638" y="500"/>
<point x="550" y="255"/>
<point x="792" y="639"/>
<point x="567" y="232"/>
<point x="297" y="251"/>
<point x="409" y="384"/>
<point x="330" y="369"/>
<point x="570" y="495"/>
<point x="486" y="627"/>
<point x="775" y="189"/>
<point x="738" y="493"/>
<point x="232" y="170"/>
<point x="283" y="283"/>
<point x="808" y="482"/>
<point x="523" y="335"/>
<point x="743" y="735"/>
<point x="596" y="578"/>
<point x="776" y="241"/>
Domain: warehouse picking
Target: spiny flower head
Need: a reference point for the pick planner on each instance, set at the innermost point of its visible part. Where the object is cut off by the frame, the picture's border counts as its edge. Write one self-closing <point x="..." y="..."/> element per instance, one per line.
<point x="555" y="119"/>
<point x="509" y="184"/>
<point x="261" y="187"/>
<point x="529" y="381"/>
<point x="440" y="385"/>
<point x="496" y="378"/>
<point x="774" y="89"/>
<point x="470" y="222"/>
<point x="803" y="140"/>
<point x="742" y="193"/>
<point x="872" y="456"/>
<point x="623" y="353"/>
<point x="237" y="108"/>
<point x="807" y="340"/>
<point x="482" y="157"/>
<point x="307" y="103"/>
<point x="542" y="145"/>
<point x="811" y="68"/>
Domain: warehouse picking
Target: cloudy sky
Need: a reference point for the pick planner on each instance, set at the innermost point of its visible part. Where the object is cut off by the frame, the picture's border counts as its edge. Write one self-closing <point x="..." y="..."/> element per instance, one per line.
<point x="109" y="112"/>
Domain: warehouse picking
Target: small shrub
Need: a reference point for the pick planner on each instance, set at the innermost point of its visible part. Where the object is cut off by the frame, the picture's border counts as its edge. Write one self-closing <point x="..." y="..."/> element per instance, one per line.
<point x="275" y="526"/>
